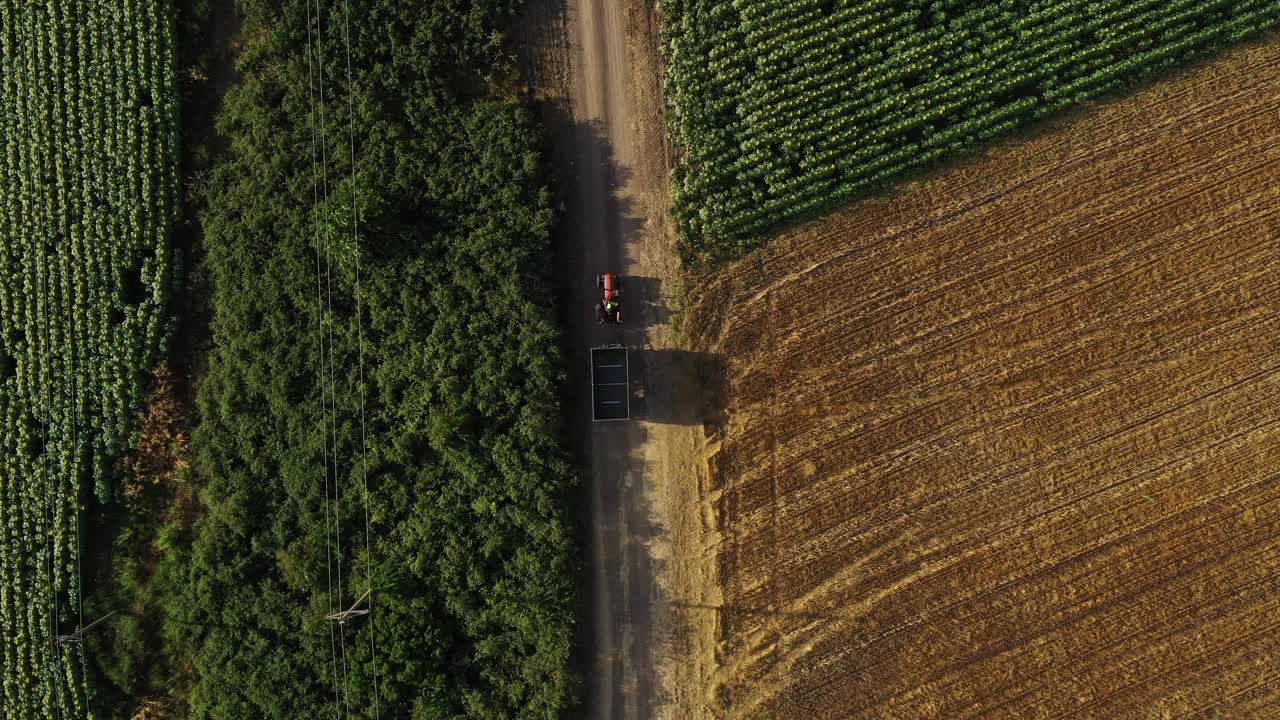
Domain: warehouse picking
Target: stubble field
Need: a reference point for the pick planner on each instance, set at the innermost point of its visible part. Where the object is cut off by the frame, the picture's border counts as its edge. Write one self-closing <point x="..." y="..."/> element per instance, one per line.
<point x="1007" y="444"/>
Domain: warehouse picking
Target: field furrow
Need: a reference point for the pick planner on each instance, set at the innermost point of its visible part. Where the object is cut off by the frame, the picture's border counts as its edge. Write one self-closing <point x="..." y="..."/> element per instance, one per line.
<point x="1005" y="444"/>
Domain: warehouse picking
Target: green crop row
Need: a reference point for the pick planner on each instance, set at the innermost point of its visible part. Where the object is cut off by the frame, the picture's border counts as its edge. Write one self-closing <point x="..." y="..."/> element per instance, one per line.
<point x="782" y="109"/>
<point x="87" y="196"/>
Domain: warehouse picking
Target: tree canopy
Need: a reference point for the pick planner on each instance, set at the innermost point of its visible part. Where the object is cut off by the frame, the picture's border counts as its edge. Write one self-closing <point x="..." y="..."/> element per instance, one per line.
<point x="470" y="548"/>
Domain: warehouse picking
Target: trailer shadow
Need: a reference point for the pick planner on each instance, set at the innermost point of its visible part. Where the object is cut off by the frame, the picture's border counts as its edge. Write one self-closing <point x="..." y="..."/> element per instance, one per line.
<point x="654" y="399"/>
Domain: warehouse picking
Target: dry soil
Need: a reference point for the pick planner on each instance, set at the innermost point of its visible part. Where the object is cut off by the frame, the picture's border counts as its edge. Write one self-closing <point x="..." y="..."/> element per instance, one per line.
<point x="1007" y="444"/>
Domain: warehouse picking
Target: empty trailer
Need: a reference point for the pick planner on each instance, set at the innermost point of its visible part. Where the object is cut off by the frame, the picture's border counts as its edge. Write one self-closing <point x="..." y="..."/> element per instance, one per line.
<point x="610" y="383"/>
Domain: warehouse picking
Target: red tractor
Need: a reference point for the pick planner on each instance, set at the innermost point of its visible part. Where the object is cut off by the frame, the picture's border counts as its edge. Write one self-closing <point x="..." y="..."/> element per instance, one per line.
<point x="609" y="309"/>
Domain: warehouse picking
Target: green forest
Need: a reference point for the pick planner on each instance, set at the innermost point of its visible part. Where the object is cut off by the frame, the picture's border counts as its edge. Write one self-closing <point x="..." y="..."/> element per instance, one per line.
<point x="383" y="357"/>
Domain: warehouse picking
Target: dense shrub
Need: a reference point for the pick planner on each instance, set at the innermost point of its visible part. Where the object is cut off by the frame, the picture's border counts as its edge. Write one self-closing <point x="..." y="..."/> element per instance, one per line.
<point x="471" y="551"/>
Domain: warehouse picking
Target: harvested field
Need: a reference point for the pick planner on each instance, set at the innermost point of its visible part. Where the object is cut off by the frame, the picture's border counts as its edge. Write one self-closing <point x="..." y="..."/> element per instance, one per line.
<point x="1008" y="443"/>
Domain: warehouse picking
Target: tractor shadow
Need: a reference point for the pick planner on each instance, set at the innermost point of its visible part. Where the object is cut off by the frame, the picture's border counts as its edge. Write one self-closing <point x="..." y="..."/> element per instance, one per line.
<point x="643" y="303"/>
<point x="664" y="386"/>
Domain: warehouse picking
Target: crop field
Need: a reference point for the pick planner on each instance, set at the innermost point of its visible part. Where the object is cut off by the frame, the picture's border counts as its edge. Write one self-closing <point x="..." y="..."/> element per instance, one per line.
<point x="1006" y="444"/>
<point x="88" y="171"/>
<point x="787" y="108"/>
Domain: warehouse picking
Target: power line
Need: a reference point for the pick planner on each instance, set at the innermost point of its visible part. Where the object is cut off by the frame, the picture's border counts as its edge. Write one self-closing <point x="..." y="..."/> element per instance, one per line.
<point x="364" y="450"/>
<point x="38" y="247"/>
<point x="324" y="423"/>
<point x="329" y="404"/>
<point x="73" y="476"/>
<point x="54" y="627"/>
<point x="333" y="385"/>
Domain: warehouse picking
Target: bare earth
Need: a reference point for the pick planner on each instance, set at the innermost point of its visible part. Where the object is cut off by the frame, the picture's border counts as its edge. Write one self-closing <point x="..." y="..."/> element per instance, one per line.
<point x="1006" y="444"/>
<point x="648" y="644"/>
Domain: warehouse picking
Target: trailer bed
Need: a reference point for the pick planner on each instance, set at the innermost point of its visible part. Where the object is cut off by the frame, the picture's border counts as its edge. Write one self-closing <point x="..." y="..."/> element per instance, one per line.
<point x="610" y="381"/>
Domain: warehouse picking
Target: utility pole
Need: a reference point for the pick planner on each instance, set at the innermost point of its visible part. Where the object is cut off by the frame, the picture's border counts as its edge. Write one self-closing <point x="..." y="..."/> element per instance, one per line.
<point x="78" y="635"/>
<point x="355" y="610"/>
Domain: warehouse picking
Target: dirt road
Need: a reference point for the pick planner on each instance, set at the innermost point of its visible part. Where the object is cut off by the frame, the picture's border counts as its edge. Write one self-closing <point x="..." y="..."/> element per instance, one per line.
<point x="594" y="67"/>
